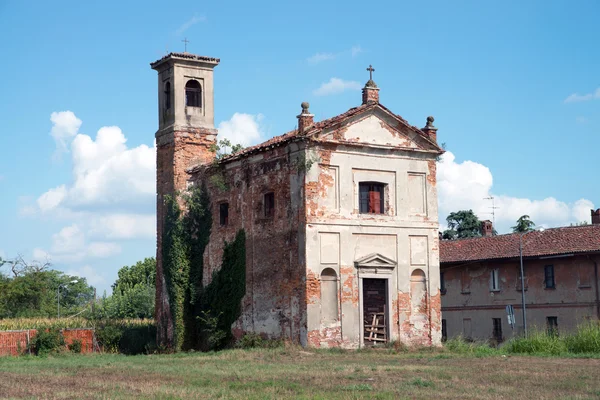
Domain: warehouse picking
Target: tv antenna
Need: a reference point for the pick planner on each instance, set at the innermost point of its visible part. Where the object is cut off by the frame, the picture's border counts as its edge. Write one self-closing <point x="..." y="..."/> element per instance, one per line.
<point x="494" y="208"/>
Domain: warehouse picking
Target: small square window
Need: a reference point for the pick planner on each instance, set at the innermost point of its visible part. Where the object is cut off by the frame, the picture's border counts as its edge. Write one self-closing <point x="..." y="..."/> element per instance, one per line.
<point x="224" y="214"/>
<point x="371" y="197"/>
<point x="549" y="277"/>
<point x="269" y="205"/>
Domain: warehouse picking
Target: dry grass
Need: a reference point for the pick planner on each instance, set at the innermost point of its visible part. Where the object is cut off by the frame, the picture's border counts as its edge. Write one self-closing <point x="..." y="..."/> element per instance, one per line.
<point x="62" y="323"/>
<point x="297" y="373"/>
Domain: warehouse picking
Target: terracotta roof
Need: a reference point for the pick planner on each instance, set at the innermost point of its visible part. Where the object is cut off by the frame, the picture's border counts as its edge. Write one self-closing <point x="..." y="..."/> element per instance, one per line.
<point x="188" y="56"/>
<point x="319" y="126"/>
<point x="554" y="241"/>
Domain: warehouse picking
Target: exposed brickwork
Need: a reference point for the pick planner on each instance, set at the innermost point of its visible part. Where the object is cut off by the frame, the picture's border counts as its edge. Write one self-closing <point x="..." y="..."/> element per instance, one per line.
<point x="596" y="216"/>
<point x="177" y="150"/>
<point x="370" y="95"/>
<point x="15" y="343"/>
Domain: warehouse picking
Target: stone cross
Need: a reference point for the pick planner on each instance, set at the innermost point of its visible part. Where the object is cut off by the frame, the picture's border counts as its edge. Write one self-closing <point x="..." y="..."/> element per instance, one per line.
<point x="185" y="41"/>
<point x="370" y="69"/>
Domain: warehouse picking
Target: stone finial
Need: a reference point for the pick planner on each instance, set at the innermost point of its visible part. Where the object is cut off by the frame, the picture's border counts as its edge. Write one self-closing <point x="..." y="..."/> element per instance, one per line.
<point x="305" y="106"/>
<point x="429" y="129"/>
<point x="305" y="119"/>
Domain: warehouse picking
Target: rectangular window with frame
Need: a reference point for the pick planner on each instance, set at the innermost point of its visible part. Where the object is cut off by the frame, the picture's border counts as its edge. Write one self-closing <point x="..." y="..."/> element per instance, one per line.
<point x="371" y="197"/>
<point x="497" y="332"/>
<point x="494" y="280"/>
<point x="552" y="325"/>
<point x="549" y="277"/>
<point x="224" y="214"/>
<point x="269" y="205"/>
<point x="444" y="331"/>
<point x="442" y="283"/>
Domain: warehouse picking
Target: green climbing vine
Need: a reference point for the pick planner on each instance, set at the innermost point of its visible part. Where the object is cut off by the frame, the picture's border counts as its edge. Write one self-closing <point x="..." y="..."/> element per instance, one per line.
<point x="185" y="238"/>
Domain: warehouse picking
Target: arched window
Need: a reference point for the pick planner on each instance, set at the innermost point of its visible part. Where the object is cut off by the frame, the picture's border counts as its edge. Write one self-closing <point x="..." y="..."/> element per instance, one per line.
<point x="167" y="95"/>
<point x="329" y="295"/>
<point x="418" y="293"/>
<point x="193" y="94"/>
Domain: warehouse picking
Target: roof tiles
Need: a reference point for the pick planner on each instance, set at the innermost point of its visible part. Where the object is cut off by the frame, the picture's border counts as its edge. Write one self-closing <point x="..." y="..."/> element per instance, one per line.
<point x="555" y="241"/>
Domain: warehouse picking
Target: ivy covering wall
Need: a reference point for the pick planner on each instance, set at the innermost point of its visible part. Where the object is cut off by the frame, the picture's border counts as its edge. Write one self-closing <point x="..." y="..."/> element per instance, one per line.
<point x="202" y="316"/>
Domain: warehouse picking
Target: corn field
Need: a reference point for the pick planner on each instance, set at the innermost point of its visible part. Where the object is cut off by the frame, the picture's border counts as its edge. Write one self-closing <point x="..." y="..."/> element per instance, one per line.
<point x="69" y="323"/>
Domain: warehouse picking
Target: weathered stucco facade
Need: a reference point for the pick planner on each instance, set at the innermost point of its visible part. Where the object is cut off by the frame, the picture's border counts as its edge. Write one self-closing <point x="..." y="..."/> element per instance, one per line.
<point x="340" y="217"/>
<point x="481" y="276"/>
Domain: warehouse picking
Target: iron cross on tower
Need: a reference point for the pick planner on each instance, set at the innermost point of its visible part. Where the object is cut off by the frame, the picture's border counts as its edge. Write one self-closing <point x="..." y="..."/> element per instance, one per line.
<point x="185" y="41"/>
<point x="370" y="69"/>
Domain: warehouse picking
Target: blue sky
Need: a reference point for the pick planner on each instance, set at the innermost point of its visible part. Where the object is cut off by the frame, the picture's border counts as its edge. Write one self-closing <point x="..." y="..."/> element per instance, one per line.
<point x="514" y="88"/>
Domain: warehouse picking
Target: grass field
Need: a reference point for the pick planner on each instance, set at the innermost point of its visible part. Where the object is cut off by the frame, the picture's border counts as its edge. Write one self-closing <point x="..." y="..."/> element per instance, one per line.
<point x="297" y="373"/>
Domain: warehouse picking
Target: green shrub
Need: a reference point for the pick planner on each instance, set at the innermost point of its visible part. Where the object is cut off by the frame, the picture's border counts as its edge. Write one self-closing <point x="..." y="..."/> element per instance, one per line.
<point x="254" y="340"/>
<point x="212" y="337"/>
<point x="138" y="340"/>
<point x="75" y="346"/>
<point x="537" y="342"/>
<point x="585" y="340"/>
<point x="460" y="346"/>
<point x="109" y="336"/>
<point x="47" y="342"/>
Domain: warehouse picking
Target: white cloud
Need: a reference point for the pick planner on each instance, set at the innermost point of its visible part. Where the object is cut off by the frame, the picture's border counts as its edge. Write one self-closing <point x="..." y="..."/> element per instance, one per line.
<point x="65" y="126"/>
<point x="465" y="185"/>
<point x="52" y="198"/>
<point x="105" y="174"/>
<point x="124" y="226"/>
<point x="356" y="50"/>
<point x="576" y="97"/>
<point x="244" y="129"/>
<point x="335" y="86"/>
<point x="320" y="57"/>
<point x="189" y="23"/>
<point x="87" y="272"/>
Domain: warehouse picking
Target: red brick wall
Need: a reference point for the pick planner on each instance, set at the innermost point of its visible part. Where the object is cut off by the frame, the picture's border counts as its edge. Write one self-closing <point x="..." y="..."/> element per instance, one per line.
<point x="13" y="342"/>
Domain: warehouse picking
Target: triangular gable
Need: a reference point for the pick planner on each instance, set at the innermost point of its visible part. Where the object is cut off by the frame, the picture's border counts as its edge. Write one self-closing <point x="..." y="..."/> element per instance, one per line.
<point x="375" y="260"/>
<point x="376" y="126"/>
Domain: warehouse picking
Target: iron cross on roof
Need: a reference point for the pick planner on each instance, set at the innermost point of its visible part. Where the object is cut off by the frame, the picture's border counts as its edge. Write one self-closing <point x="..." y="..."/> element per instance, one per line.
<point x="185" y="41"/>
<point x="370" y="69"/>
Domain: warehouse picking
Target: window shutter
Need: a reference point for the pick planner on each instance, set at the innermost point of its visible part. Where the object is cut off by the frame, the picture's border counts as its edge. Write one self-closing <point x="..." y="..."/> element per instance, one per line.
<point x="375" y="202"/>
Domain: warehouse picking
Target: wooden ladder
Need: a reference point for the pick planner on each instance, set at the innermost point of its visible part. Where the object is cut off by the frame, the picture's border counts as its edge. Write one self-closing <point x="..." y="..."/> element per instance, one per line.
<point x="377" y="329"/>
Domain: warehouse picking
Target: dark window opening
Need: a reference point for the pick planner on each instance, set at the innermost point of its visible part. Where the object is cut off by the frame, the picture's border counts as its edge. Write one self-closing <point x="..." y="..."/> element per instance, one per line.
<point x="167" y="95"/>
<point x="193" y="94"/>
<point x="444" y="331"/>
<point x="442" y="283"/>
<point x="371" y="197"/>
<point x="269" y="204"/>
<point x="552" y="325"/>
<point x="549" y="276"/>
<point x="224" y="213"/>
<point x="497" y="333"/>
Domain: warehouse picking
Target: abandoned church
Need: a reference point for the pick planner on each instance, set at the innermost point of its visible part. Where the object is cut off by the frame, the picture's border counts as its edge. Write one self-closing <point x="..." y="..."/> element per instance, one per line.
<point x="340" y="216"/>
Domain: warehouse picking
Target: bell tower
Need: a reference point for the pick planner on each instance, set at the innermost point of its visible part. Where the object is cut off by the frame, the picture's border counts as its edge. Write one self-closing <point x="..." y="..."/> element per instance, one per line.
<point x="185" y="137"/>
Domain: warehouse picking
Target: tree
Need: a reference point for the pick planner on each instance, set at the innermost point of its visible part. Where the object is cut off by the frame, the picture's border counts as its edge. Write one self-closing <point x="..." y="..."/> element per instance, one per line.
<point x="32" y="289"/>
<point x="462" y="224"/>
<point x="524" y="224"/>
<point x="133" y="292"/>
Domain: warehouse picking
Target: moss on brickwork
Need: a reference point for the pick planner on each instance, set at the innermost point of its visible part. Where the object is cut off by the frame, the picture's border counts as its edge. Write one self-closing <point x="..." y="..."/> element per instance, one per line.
<point x="185" y="238"/>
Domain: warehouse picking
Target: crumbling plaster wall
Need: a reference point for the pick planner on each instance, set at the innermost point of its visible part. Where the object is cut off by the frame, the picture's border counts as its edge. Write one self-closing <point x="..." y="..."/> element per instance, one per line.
<point x="273" y="305"/>
<point x="337" y="234"/>
<point x="468" y="295"/>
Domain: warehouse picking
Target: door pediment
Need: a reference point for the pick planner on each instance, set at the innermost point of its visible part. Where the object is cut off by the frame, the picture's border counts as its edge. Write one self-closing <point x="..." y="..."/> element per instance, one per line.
<point x="375" y="263"/>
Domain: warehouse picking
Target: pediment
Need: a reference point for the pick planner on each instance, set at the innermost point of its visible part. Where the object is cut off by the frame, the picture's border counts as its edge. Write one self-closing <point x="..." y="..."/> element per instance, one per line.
<point x="375" y="260"/>
<point x="378" y="128"/>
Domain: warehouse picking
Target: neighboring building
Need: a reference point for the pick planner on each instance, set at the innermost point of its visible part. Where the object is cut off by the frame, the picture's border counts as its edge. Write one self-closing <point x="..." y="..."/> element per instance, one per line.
<point x="479" y="277"/>
<point x="340" y="215"/>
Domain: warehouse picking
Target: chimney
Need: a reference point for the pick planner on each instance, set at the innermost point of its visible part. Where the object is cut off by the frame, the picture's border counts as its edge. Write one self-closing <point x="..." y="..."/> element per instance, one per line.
<point x="305" y="119"/>
<point x="487" y="229"/>
<point x="370" y="93"/>
<point x="430" y="130"/>
<point x="596" y="217"/>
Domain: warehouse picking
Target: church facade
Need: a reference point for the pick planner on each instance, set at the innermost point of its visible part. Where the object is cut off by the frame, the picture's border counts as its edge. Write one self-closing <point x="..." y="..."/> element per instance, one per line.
<point x="340" y="215"/>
